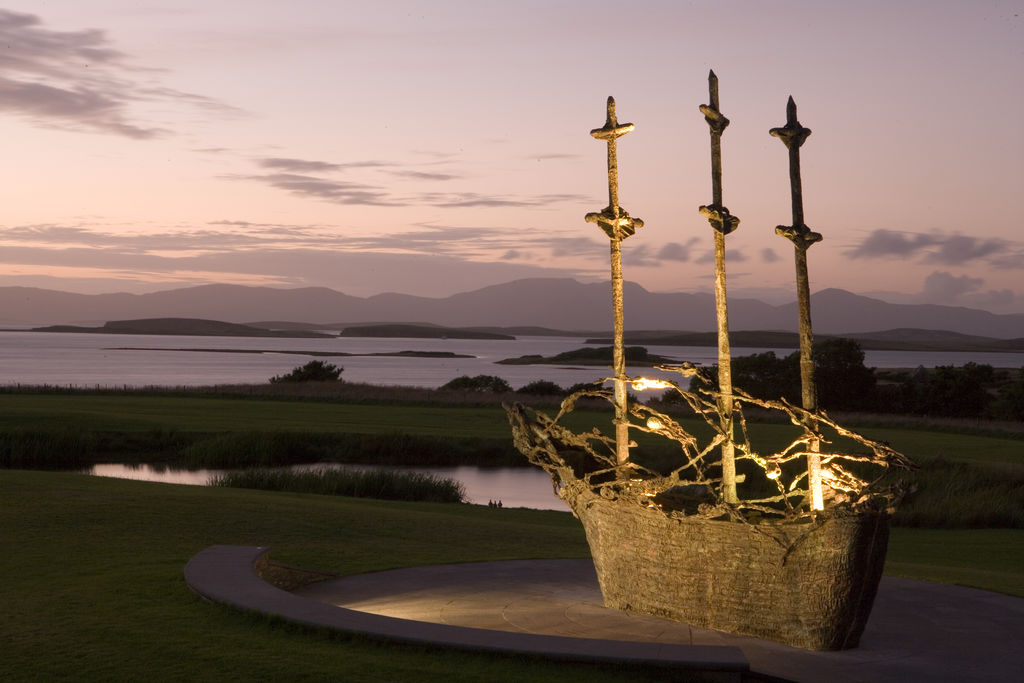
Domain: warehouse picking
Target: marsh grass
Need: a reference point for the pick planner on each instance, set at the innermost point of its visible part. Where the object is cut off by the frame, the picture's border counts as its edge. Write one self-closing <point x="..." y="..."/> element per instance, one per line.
<point x="59" y="449"/>
<point x="270" y="449"/>
<point x="976" y="482"/>
<point x="80" y="448"/>
<point x="347" y="392"/>
<point x="958" y="495"/>
<point x="357" y="483"/>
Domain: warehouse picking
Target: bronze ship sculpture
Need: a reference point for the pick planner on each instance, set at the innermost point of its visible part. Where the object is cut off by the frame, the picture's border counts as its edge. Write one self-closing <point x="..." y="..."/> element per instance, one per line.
<point x="789" y="549"/>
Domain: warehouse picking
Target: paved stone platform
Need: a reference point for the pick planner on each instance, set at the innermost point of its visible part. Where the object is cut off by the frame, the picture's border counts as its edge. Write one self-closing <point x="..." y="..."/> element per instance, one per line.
<point x="227" y="574"/>
<point x="918" y="631"/>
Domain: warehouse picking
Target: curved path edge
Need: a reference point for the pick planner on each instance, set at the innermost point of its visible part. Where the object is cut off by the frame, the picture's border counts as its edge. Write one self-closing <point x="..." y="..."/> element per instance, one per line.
<point x="227" y="574"/>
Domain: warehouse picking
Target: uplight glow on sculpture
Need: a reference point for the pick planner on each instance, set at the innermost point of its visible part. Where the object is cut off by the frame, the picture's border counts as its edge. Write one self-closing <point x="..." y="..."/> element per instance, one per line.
<point x="701" y="542"/>
<point x="793" y="136"/>
<point x="617" y="224"/>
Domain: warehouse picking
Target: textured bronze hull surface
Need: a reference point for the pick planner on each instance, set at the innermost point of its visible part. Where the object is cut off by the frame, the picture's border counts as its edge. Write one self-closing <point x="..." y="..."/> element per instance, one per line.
<point x="810" y="585"/>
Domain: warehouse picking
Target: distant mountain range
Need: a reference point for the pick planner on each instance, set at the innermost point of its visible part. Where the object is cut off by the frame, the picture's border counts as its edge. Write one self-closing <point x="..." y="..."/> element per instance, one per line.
<point x="561" y="304"/>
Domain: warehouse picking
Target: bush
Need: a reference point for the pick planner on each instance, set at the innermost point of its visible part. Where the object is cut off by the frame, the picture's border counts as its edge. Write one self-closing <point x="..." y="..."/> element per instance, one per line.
<point x="313" y="371"/>
<point x="584" y="386"/>
<point x="943" y="391"/>
<point x="633" y="354"/>
<point x="541" y="387"/>
<point x="478" y="383"/>
<point x="1010" y="403"/>
<point x="842" y="382"/>
<point x="763" y="375"/>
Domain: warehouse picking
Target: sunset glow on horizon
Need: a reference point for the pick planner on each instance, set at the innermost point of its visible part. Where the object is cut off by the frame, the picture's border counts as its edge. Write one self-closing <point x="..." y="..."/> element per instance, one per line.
<point x="433" y="148"/>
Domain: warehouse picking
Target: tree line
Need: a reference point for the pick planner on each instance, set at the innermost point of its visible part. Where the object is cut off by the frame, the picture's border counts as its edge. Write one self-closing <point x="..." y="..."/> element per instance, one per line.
<point x="844" y="383"/>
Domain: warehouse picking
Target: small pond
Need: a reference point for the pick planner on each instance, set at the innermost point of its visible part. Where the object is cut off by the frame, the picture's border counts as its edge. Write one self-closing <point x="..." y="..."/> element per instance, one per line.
<point x="527" y="487"/>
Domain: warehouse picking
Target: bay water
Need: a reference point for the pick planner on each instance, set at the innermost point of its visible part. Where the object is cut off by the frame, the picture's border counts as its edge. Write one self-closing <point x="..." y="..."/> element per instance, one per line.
<point x="105" y="360"/>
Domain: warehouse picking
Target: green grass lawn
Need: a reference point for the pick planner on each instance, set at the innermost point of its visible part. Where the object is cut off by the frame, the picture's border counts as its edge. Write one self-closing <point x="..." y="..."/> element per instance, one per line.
<point x="992" y="559"/>
<point x="93" y="587"/>
<point x="92" y="568"/>
<point x="135" y="412"/>
<point x="132" y="412"/>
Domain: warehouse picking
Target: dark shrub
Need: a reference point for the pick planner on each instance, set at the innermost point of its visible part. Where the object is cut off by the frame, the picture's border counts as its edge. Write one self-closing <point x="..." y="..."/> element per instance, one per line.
<point x="313" y="371"/>
<point x="478" y="383"/>
<point x="541" y="387"/>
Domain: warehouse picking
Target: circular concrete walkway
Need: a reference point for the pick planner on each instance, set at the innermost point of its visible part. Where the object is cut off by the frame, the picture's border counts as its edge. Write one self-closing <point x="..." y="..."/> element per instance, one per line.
<point x="918" y="631"/>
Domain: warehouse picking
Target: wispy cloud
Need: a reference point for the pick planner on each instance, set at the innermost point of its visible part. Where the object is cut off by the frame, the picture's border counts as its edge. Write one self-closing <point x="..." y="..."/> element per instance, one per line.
<point x="474" y="199"/>
<point x="298" y="165"/>
<point x="562" y="247"/>
<point x="942" y="287"/>
<point x="330" y="181"/>
<point x="425" y="175"/>
<point x="333" y="181"/>
<point x="946" y="287"/>
<point x="674" y="251"/>
<point x="311" y="166"/>
<point x="733" y="256"/>
<point x="336" y="191"/>
<point x="246" y="252"/>
<point x="223" y="236"/>
<point x="938" y="248"/>
<point x="77" y="80"/>
<point x="553" y="157"/>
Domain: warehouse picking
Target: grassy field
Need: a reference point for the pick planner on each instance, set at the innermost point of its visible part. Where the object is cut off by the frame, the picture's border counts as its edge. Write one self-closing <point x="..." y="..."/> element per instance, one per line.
<point x="992" y="559"/>
<point x="93" y="586"/>
<point x="92" y="567"/>
<point x="966" y="480"/>
<point x="127" y="412"/>
<point x="141" y="413"/>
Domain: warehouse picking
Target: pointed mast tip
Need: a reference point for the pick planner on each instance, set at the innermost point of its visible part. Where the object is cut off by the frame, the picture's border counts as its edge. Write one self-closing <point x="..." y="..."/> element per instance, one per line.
<point x="790" y="111"/>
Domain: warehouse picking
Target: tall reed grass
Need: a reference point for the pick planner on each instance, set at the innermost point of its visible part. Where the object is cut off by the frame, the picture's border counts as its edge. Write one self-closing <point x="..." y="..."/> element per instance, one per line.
<point x="957" y="495"/>
<point x="383" y="484"/>
<point x="72" y="449"/>
<point x="59" y="449"/>
<point x="269" y="449"/>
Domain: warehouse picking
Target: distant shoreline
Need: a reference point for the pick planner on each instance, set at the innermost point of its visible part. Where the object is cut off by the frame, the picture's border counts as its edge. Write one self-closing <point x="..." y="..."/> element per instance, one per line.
<point x="887" y="340"/>
<point x="399" y="354"/>
<point x="189" y="327"/>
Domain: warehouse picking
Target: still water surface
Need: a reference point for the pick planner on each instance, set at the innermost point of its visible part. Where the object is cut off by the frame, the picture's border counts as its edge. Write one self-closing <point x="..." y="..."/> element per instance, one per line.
<point x="514" y="486"/>
<point x="87" y="360"/>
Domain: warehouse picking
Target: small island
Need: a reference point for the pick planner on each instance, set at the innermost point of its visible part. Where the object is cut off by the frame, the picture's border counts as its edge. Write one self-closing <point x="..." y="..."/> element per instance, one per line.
<point x="192" y="327"/>
<point x="421" y="332"/>
<point x="602" y="355"/>
<point x="398" y="354"/>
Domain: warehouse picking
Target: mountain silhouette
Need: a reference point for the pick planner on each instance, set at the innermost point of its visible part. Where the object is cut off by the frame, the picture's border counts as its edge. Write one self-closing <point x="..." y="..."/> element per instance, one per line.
<point x="558" y="303"/>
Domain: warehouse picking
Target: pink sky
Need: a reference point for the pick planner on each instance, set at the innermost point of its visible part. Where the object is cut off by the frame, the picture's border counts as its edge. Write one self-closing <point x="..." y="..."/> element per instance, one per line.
<point x="436" y="147"/>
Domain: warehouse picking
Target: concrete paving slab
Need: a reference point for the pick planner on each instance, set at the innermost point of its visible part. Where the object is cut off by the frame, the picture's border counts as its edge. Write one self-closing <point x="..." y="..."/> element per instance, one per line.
<point x="227" y="574"/>
<point x="918" y="631"/>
